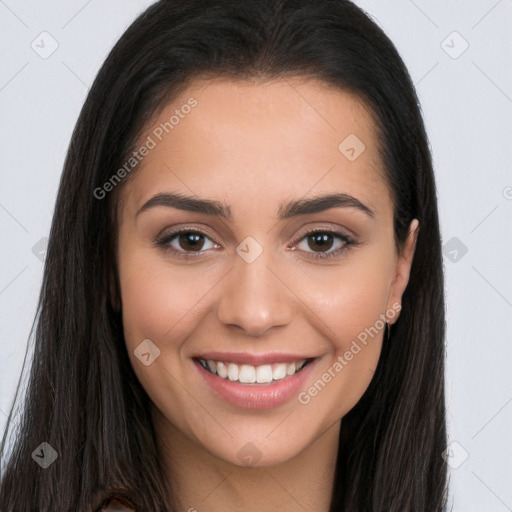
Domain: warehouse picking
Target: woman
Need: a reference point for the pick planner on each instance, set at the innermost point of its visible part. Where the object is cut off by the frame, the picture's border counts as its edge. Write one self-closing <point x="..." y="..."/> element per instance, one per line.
<point x="247" y="206"/>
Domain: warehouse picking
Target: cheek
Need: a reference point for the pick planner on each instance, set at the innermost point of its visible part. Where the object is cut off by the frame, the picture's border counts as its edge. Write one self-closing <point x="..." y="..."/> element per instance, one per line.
<point x="350" y="299"/>
<point x="157" y="301"/>
<point x="348" y="306"/>
<point x="146" y="302"/>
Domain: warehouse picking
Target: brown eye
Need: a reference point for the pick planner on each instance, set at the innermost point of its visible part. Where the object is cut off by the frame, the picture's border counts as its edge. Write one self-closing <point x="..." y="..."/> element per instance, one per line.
<point x="320" y="241"/>
<point x="318" y="244"/>
<point x="186" y="242"/>
<point x="190" y="241"/>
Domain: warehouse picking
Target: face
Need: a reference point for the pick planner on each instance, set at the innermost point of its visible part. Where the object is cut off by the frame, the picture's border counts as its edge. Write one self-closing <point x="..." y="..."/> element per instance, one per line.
<point x="258" y="315"/>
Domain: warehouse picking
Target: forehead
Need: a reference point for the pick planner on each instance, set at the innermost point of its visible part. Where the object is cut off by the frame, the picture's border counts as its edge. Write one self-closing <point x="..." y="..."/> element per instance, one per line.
<point x="262" y="141"/>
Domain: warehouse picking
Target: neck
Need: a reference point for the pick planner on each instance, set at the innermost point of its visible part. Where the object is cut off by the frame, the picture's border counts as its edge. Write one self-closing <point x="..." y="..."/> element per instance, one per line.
<point x="199" y="481"/>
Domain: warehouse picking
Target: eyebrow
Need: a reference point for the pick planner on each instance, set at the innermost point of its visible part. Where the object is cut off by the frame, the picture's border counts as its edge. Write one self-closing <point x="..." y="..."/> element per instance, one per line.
<point x="292" y="209"/>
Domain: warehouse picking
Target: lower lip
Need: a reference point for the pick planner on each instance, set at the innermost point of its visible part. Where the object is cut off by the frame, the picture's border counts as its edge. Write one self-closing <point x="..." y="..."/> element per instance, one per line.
<point x="257" y="396"/>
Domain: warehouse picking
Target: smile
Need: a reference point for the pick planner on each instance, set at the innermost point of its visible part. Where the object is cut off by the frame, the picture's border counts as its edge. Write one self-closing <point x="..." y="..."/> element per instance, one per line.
<point x="249" y="374"/>
<point x="261" y="381"/>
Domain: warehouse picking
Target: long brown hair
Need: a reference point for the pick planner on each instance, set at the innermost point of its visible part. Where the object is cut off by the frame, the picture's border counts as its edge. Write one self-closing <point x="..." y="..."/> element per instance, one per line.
<point x="83" y="397"/>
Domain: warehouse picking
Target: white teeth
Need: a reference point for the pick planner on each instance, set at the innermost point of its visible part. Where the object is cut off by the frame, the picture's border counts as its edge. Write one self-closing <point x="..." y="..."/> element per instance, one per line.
<point x="279" y="371"/>
<point x="248" y="374"/>
<point x="264" y="374"/>
<point x="232" y="372"/>
<point x="222" y="371"/>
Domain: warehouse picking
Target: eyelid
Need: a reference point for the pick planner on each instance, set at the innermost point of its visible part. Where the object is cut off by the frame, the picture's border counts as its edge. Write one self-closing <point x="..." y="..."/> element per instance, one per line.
<point x="321" y="229"/>
<point x="184" y="229"/>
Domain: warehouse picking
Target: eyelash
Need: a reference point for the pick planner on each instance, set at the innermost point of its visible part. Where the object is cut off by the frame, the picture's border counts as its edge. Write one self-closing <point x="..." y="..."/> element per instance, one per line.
<point x="164" y="242"/>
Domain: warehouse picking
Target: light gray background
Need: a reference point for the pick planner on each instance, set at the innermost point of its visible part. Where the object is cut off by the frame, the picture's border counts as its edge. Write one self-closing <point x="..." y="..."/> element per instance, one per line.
<point x="467" y="104"/>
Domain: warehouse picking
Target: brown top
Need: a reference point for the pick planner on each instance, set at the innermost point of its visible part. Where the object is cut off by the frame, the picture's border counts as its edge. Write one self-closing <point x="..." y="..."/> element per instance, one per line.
<point x="117" y="504"/>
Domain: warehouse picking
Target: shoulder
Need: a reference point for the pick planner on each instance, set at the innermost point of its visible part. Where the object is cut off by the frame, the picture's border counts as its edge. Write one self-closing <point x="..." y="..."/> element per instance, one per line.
<point x="117" y="504"/>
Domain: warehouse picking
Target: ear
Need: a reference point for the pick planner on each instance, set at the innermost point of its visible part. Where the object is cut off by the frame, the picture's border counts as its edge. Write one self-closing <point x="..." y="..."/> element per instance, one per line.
<point x="403" y="269"/>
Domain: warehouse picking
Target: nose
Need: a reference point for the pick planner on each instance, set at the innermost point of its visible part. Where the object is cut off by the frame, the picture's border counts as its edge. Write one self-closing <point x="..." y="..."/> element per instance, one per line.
<point x="254" y="298"/>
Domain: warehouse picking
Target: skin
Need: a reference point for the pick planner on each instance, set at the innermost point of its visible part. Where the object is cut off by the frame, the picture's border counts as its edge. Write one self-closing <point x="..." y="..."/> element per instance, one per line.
<point x="254" y="147"/>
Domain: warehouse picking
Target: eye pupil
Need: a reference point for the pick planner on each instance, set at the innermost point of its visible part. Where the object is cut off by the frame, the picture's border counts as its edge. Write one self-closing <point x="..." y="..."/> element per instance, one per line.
<point x="321" y="240"/>
<point x="194" y="241"/>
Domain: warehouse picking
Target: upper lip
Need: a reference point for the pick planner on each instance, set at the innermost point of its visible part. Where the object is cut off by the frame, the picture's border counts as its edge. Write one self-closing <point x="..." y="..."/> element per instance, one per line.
<point x="253" y="359"/>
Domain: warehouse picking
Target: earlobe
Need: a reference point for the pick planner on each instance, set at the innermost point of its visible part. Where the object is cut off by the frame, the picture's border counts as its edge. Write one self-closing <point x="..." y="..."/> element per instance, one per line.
<point x="403" y="269"/>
